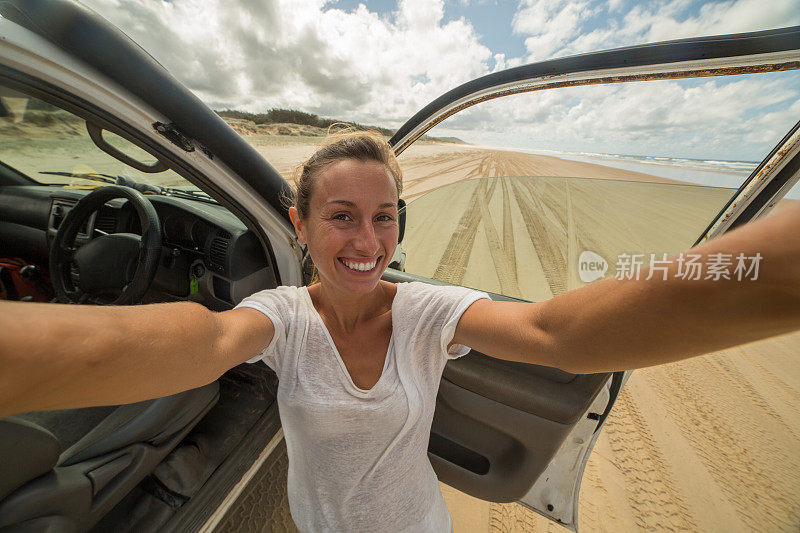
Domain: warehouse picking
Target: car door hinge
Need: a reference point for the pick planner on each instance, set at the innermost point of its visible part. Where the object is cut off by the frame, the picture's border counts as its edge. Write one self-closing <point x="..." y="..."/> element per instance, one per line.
<point x="173" y="133"/>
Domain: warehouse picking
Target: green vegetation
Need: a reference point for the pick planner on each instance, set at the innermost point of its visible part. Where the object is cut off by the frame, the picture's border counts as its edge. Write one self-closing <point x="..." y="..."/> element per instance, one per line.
<point x="293" y="116"/>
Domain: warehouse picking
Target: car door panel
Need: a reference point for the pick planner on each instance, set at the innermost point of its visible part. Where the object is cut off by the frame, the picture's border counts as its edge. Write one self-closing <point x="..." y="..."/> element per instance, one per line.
<point x="515" y="444"/>
<point x="546" y="392"/>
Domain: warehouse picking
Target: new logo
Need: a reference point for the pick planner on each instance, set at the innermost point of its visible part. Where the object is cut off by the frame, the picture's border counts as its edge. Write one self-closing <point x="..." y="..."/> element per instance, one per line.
<point x="591" y="266"/>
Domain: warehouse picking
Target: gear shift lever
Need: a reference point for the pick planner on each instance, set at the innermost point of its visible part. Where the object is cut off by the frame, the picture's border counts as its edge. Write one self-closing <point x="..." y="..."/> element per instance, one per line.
<point x="33" y="274"/>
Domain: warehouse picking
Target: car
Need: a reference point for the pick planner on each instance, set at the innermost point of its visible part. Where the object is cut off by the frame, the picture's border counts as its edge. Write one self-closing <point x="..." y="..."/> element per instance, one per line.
<point x="119" y="186"/>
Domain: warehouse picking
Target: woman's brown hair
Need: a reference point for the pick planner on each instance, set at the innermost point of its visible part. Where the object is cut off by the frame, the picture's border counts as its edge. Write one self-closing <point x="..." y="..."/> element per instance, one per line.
<point x="359" y="145"/>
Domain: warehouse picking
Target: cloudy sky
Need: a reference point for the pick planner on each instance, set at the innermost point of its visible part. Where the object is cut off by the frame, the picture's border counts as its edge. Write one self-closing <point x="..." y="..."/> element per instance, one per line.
<point x="379" y="61"/>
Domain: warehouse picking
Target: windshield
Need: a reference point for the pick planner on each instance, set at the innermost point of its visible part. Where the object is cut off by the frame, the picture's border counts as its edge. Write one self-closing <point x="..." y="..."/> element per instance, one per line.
<point x="52" y="147"/>
<point x="527" y="237"/>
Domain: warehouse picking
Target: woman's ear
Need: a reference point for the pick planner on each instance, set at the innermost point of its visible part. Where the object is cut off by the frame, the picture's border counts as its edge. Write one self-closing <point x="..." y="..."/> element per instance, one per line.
<point x="297" y="222"/>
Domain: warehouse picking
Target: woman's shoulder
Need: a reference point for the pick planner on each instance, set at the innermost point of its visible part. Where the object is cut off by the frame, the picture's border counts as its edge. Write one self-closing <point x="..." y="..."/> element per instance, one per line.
<point x="281" y="295"/>
<point x="289" y="291"/>
<point x="420" y="287"/>
<point x="418" y="293"/>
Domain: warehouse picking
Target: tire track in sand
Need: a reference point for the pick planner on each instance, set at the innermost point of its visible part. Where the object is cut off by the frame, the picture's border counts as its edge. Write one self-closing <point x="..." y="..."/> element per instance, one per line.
<point x="786" y="393"/>
<point x="453" y="264"/>
<point x="737" y="381"/>
<point x="655" y="499"/>
<point x="551" y="255"/>
<point x="742" y="456"/>
<point x="503" y="254"/>
<point x="468" y="165"/>
<point x="513" y="518"/>
<point x="508" y="229"/>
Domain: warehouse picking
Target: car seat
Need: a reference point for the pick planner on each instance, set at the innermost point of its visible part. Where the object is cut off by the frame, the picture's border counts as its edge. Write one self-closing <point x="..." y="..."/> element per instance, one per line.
<point x="63" y="470"/>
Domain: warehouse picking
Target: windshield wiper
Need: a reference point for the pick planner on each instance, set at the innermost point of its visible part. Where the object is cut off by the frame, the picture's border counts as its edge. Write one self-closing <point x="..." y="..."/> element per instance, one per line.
<point x="194" y="194"/>
<point x="144" y="188"/>
<point x="91" y="176"/>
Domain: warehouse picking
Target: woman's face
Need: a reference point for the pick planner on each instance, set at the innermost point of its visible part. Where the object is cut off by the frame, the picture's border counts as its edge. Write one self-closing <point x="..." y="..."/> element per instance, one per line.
<point x="351" y="228"/>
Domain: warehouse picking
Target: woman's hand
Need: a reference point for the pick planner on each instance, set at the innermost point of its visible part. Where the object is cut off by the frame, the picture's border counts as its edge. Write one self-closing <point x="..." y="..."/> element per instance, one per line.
<point x="620" y="325"/>
<point x="56" y="356"/>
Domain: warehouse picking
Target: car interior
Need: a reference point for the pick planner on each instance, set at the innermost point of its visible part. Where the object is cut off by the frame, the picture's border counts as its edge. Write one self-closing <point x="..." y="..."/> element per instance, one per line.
<point x="67" y="469"/>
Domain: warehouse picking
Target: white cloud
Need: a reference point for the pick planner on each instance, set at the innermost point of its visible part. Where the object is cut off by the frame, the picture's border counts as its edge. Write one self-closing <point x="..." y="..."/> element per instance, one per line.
<point x="550" y="23"/>
<point x="301" y="54"/>
<point x="564" y="27"/>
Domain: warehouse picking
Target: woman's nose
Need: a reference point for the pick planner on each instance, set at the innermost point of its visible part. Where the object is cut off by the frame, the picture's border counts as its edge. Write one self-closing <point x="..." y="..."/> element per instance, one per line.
<point x="366" y="241"/>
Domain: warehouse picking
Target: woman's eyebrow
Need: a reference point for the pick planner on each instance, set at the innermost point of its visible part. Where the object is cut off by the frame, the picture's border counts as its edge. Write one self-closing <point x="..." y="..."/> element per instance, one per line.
<point x="351" y="204"/>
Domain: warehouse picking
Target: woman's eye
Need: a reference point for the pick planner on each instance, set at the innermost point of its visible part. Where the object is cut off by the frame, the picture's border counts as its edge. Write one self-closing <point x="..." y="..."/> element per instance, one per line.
<point x="341" y="216"/>
<point x="384" y="218"/>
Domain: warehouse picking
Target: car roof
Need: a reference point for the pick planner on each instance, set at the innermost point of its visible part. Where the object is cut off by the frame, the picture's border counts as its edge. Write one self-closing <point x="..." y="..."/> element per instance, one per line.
<point x="81" y="32"/>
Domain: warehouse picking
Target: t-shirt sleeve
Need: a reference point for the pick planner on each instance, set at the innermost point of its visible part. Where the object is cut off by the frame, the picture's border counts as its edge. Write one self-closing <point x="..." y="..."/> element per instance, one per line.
<point x="433" y="313"/>
<point x="456" y="301"/>
<point x="277" y="306"/>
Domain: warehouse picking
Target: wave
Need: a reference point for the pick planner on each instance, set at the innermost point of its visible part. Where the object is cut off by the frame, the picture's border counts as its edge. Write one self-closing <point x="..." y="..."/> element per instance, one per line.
<point x="734" y="168"/>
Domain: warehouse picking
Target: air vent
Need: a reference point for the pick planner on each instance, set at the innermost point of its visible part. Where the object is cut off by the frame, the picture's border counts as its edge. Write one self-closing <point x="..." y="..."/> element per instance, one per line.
<point x="59" y="210"/>
<point x="219" y="250"/>
<point x="105" y="222"/>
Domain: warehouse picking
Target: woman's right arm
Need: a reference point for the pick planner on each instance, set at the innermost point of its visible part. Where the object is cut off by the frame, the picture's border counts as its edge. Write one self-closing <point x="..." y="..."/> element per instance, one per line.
<point x="55" y="356"/>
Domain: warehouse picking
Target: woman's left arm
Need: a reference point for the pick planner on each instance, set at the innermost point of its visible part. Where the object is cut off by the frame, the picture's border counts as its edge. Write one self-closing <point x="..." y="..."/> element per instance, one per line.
<point x="624" y="324"/>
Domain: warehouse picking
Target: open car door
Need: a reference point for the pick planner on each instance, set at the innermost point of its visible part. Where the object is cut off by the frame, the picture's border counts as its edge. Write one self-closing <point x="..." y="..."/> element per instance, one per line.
<point x="83" y="107"/>
<point x="507" y="431"/>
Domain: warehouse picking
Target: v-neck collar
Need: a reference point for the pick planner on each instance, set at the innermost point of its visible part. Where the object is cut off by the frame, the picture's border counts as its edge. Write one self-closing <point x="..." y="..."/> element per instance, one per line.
<point x="389" y="350"/>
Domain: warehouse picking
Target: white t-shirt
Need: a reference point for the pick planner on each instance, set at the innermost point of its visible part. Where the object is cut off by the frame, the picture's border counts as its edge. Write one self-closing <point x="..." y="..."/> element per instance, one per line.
<point x="358" y="458"/>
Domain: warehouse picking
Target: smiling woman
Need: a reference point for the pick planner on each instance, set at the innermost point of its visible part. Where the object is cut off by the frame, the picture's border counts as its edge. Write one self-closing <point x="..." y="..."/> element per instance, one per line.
<point x="358" y="359"/>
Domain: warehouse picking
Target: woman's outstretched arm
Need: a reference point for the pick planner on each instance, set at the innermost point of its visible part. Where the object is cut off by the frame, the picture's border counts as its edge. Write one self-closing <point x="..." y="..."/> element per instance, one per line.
<point x="624" y="324"/>
<point x="55" y="356"/>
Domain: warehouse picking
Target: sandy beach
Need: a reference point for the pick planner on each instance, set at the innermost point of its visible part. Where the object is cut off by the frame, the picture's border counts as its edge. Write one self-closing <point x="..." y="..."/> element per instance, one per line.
<point x="709" y="444"/>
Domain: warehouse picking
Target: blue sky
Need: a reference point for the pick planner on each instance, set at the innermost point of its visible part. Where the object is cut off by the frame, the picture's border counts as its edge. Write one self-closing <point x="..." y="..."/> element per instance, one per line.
<point x="379" y="61"/>
<point x="491" y="20"/>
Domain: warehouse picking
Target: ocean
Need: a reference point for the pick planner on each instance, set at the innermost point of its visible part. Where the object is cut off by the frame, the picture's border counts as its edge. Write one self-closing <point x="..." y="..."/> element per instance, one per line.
<point x="715" y="173"/>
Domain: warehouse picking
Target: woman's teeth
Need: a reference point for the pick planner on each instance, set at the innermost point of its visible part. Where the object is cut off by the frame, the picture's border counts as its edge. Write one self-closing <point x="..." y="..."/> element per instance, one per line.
<point x="362" y="267"/>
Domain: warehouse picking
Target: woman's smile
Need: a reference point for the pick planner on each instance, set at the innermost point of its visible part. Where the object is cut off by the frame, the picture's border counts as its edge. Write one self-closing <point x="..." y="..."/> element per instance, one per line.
<point x="360" y="265"/>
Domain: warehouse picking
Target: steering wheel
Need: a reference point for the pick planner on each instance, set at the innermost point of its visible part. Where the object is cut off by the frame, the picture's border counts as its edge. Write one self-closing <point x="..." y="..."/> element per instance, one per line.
<point x="121" y="265"/>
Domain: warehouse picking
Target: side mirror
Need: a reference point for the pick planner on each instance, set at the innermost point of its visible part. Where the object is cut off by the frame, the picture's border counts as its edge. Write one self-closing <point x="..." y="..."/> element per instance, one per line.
<point x="401" y="219"/>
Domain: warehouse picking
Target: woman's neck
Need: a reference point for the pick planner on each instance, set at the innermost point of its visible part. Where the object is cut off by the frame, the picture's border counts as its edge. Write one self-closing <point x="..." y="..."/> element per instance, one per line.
<point x="347" y="310"/>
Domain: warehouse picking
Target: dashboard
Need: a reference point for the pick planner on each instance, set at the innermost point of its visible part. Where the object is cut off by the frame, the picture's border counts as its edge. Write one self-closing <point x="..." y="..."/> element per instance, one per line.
<point x="208" y="255"/>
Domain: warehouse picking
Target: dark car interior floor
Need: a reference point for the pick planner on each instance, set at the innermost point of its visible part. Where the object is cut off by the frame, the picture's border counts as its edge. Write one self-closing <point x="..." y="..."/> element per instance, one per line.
<point x="246" y="395"/>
